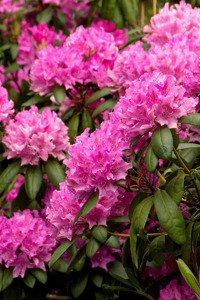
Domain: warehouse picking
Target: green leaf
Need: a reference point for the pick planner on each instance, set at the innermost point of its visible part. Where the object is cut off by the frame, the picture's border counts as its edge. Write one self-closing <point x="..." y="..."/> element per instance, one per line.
<point x="100" y="233"/>
<point x="156" y="250"/>
<point x="162" y="143"/>
<point x="113" y="242"/>
<point x="73" y="124"/>
<point x="59" y="252"/>
<point x="29" y="280"/>
<point x="182" y="146"/>
<point x="97" y="95"/>
<point x="8" y="175"/>
<point x="88" y="206"/>
<point x="14" y="51"/>
<point x="80" y="264"/>
<point x="86" y="121"/>
<point x="175" y="187"/>
<point x="150" y="159"/>
<point x="40" y="275"/>
<point x="117" y="288"/>
<point x="190" y="155"/>
<point x="108" y="8"/>
<point x="12" y="68"/>
<point x="108" y="104"/>
<point x="45" y="16"/>
<point x="59" y="93"/>
<point x="78" y="286"/>
<point x="170" y="217"/>
<point x="118" y="272"/>
<point x="60" y="265"/>
<point x="189" y="276"/>
<point x="33" y="181"/>
<point x="97" y="279"/>
<point x="6" y="279"/>
<point x="187" y="247"/>
<point x="118" y="18"/>
<point x="33" y="100"/>
<point x="133" y="246"/>
<point x="140" y="214"/>
<point x="54" y="171"/>
<point x="129" y="9"/>
<point x="92" y="247"/>
<point x="192" y="119"/>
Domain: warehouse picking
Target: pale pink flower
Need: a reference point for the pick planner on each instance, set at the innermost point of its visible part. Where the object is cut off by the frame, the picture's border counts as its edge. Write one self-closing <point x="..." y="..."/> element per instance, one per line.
<point x="6" y="105"/>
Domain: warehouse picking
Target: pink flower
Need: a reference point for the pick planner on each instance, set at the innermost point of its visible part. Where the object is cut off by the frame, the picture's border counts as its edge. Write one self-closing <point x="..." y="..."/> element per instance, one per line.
<point x="33" y="39"/>
<point x="177" y="290"/>
<point x="172" y="21"/>
<point x="16" y="188"/>
<point x="85" y="57"/>
<point x="102" y="258"/>
<point x="8" y="6"/>
<point x="25" y="242"/>
<point x="6" y="106"/>
<point x="32" y="136"/>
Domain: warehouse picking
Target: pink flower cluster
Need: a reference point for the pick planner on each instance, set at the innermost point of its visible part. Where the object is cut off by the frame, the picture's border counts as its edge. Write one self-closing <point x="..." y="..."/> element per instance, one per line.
<point x="10" y="6"/>
<point x="15" y="190"/>
<point x="25" y="242"/>
<point x="34" y="39"/>
<point x="6" y="105"/>
<point x="85" y="57"/>
<point x="32" y="136"/>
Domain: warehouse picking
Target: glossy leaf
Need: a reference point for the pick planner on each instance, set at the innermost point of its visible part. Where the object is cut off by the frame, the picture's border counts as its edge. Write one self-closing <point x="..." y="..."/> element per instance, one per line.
<point x="29" y="280"/>
<point x="33" y="181"/>
<point x="45" y="15"/>
<point x="78" y="286"/>
<point x="92" y="247"/>
<point x="100" y="233"/>
<point x="191" y="119"/>
<point x="97" y="95"/>
<point x="150" y="159"/>
<point x="108" y="104"/>
<point x="40" y="275"/>
<point x="73" y="125"/>
<point x="113" y="242"/>
<point x="175" y="187"/>
<point x="59" y="94"/>
<point x="59" y="252"/>
<point x="162" y="143"/>
<point x="54" y="171"/>
<point x="86" y="121"/>
<point x="88" y="206"/>
<point x="8" y="175"/>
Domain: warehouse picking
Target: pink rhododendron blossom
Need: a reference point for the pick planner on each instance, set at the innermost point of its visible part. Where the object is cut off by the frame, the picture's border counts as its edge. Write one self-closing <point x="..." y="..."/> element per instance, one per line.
<point x="6" y="105"/>
<point x="15" y="190"/>
<point x="120" y="35"/>
<point x="8" y="6"/>
<point x="33" y="39"/>
<point x="32" y="136"/>
<point x="130" y="64"/>
<point x="171" y="21"/>
<point x="177" y="290"/>
<point x="102" y="258"/>
<point x="153" y="98"/>
<point x="25" y="242"/>
<point x="85" y="57"/>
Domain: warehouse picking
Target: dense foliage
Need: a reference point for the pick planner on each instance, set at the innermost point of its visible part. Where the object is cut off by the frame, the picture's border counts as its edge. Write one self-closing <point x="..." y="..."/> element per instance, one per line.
<point x="99" y="150"/>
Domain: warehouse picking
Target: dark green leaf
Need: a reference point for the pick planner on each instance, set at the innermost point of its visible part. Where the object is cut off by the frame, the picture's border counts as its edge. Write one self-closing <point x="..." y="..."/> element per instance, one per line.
<point x="162" y="143"/>
<point x="97" y="95"/>
<point x="108" y="8"/>
<point x="118" y="18"/>
<point x="80" y="264"/>
<point x="189" y="276"/>
<point x="45" y="16"/>
<point x="175" y="187"/>
<point x="33" y="181"/>
<point x="33" y="100"/>
<point x="97" y="279"/>
<point x="14" y="51"/>
<point x="73" y="124"/>
<point x="8" y="175"/>
<point x="40" y="275"/>
<point x="133" y="246"/>
<point x="88" y="206"/>
<point x="100" y="233"/>
<point x="113" y="242"/>
<point x="130" y="11"/>
<point x="170" y="216"/>
<point x="150" y="159"/>
<point x="54" y="171"/>
<point x="182" y="146"/>
<point x="86" y="121"/>
<point x="78" y="286"/>
<point x="12" y="68"/>
<point x="60" y="265"/>
<point x="92" y="247"/>
<point x="59" y="252"/>
<point x="7" y="279"/>
<point x="59" y="93"/>
<point x="192" y="119"/>
<point x="108" y="104"/>
<point x="140" y="214"/>
<point x="29" y="280"/>
<point x="156" y="250"/>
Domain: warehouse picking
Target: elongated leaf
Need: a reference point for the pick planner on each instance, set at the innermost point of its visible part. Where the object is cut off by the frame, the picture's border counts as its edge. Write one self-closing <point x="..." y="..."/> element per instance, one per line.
<point x="175" y="187"/>
<point x="156" y="251"/>
<point x="8" y="175"/>
<point x="97" y="95"/>
<point x="86" y="121"/>
<point x="182" y="146"/>
<point x="12" y="68"/>
<point x="79" y="285"/>
<point x="29" y="280"/>
<point x="59" y="94"/>
<point x="150" y="159"/>
<point x="54" y="171"/>
<point x="59" y="252"/>
<point x="60" y="265"/>
<point x="7" y="279"/>
<point x="97" y="279"/>
<point x="130" y="11"/>
<point x="45" y="16"/>
<point x="170" y="216"/>
<point x="108" y="104"/>
<point x="113" y="242"/>
<point x="107" y="9"/>
<point x="189" y="276"/>
<point x="100" y="233"/>
<point x="40" y="275"/>
<point x="92" y="247"/>
<point x="118" y="18"/>
<point x="33" y="100"/>
<point x="162" y="143"/>
<point x="187" y="247"/>
<point x="88" y="206"/>
<point x="73" y="125"/>
<point x="140" y="214"/>
<point x="192" y="119"/>
<point x="80" y="264"/>
<point x="33" y="181"/>
<point x="133" y="246"/>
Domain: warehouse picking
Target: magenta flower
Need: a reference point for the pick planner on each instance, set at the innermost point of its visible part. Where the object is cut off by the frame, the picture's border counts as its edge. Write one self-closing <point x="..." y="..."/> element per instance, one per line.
<point x="32" y="136"/>
<point x="6" y="106"/>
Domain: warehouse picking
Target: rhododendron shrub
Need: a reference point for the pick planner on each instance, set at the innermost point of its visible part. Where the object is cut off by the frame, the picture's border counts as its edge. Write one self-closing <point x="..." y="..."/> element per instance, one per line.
<point x="99" y="150"/>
